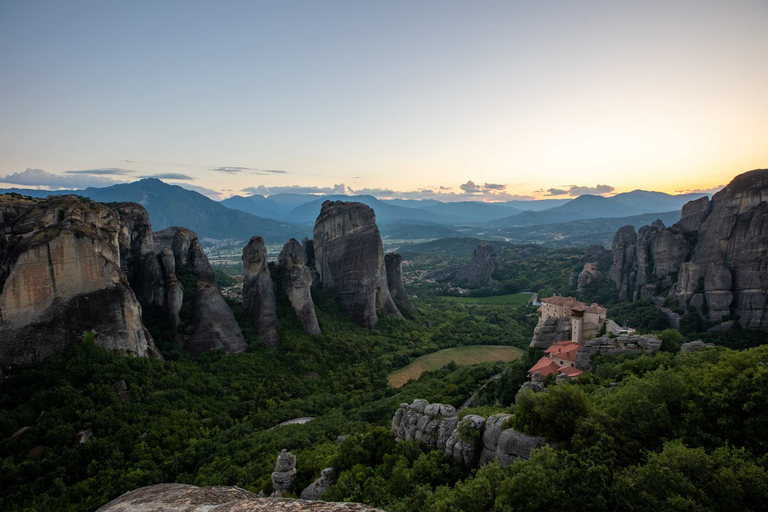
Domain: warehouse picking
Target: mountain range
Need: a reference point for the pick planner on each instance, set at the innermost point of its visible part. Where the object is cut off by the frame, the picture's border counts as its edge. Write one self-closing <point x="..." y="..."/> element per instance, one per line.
<point x="281" y="216"/>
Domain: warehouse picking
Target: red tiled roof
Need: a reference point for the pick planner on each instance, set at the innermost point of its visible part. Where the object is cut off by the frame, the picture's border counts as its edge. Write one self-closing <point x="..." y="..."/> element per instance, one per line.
<point x="564" y="350"/>
<point x="545" y="366"/>
<point x="570" y="371"/>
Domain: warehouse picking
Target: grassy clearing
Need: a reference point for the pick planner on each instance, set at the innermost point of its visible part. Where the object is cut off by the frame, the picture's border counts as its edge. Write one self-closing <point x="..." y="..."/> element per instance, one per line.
<point x="463" y="356"/>
<point x="514" y="299"/>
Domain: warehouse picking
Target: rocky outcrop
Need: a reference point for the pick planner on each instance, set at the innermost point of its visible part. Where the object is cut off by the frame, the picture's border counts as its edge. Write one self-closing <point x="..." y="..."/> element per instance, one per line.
<point x="718" y="250"/>
<point x="349" y="259"/>
<point x="284" y="474"/>
<point x="471" y="442"/>
<point x="613" y="346"/>
<point x="137" y="255"/>
<point x="693" y="346"/>
<point x="394" y="264"/>
<point x="296" y="279"/>
<point x="536" y="384"/>
<point x="259" y="291"/>
<point x="477" y="272"/>
<point x="213" y="325"/>
<point x="189" y="498"/>
<point x="551" y="330"/>
<point x="60" y="277"/>
<point x="319" y="486"/>
<point x="174" y="292"/>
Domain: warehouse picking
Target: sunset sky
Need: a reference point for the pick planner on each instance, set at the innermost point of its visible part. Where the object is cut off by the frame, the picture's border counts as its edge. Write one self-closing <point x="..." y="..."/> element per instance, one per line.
<point x="455" y="100"/>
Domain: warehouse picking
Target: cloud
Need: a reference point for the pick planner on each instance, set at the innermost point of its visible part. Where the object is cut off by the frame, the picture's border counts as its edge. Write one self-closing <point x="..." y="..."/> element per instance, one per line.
<point x="41" y="178"/>
<point x="110" y="171"/>
<point x="169" y="176"/>
<point x="494" y="186"/>
<point x="470" y="187"/>
<point x="578" y="190"/>
<point x="340" y="189"/>
<point x="709" y="191"/>
<point x="596" y="190"/>
<point x="248" y="170"/>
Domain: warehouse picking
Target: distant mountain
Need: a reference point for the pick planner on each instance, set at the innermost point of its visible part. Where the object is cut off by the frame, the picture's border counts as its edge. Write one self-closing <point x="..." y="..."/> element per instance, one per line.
<point x="260" y="206"/>
<point x="537" y="205"/>
<point x="474" y="211"/>
<point x="583" y="207"/>
<point x="649" y="202"/>
<point x="411" y="203"/>
<point x="172" y="205"/>
<point x="385" y="213"/>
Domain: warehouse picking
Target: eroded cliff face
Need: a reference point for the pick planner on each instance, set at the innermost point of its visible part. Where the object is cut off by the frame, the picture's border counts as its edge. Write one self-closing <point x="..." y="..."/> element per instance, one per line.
<point x="213" y="324"/>
<point x="189" y="498"/>
<point x="259" y="291"/>
<point x="394" y="263"/>
<point x="60" y="277"/>
<point x="296" y="278"/>
<point x="349" y="259"/>
<point x="714" y="261"/>
<point x="471" y="441"/>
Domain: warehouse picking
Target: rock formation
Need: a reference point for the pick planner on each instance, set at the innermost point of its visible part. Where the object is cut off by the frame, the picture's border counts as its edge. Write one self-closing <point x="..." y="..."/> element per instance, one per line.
<point x="394" y="263"/>
<point x="550" y="330"/>
<point x="60" y="277"/>
<point x="714" y="261"/>
<point x="622" y="344"/>
<point x="693" y="346"/>
<point x="213" y="324"/>
<point x="471" y="442"/>
<point x="284" y="474"/>
<point x="137" y="255"/>
<point x="349" y="259"/>
<point x="189" y="498"/>
<point x="319" y="486"/>
<point x="259" y="299"/>
<point x="296" y="279"/>
<point x="536" y="384"/>
<point x="477" y="272"/>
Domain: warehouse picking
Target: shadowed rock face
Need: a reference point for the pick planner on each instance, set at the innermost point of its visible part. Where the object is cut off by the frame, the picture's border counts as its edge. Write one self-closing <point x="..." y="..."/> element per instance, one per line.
<point x="476" y="272"/>
<point x="259" y="291"/>
<point x="60" y="277"/>
<point x="349" y="259"/>
<point x="188" y="498"/>
<point x="714" y="261"/>
<point x="296" y="279"/>
<point x="394" y="263"/>
<point x="213" y="323"/>
<point x="137" y="255"/>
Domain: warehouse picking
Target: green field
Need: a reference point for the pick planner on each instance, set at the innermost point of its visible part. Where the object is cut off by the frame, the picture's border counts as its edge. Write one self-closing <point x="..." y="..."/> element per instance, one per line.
<point x="462" y="356"/>
<point x="514" y="299"/>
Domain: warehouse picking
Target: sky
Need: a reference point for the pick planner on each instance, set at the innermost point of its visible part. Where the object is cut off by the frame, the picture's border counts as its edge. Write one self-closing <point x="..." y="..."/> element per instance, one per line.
<point x="416" y="99"/>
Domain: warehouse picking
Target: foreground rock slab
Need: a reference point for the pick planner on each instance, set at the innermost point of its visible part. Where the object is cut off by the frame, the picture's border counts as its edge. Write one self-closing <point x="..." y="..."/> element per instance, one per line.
<point x="189" y="498"/>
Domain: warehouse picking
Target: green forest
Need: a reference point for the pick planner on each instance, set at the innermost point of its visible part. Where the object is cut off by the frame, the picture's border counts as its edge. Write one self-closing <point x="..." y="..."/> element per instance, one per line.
<point x="672" y="431"/>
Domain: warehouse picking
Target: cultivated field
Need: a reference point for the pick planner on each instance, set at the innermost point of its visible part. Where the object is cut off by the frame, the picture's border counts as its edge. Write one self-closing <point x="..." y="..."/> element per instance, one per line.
<point x="514" y="299"/>
<point x="463" y="356"/>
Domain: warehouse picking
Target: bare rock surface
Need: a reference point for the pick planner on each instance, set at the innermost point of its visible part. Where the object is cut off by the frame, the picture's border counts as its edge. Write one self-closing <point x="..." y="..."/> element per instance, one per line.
<point x="284" y="473"/>
<point x="624" y="344"/>
<point x="259" y="299"/>
<point x="473" y="441"/>
<point x="551" y="330"/>
<point x="296" y="279"/>
<point x="394" y="263"/>
<point x="349" y="259"/>
<point x="475" y="273"/>
<point x="714" y="261"/>
<point x="189" y="498"/>
<point x="213" y="323"/>
<point x="60" y="277"/>
<point x="319" y="486"/>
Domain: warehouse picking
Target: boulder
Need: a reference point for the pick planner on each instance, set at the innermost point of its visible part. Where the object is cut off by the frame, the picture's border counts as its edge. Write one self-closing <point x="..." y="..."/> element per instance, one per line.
<point x="296" y="279"/>
<point x="84" y="436"/>
<point x="693" y="346"/>
<point x="349" y="259"/>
